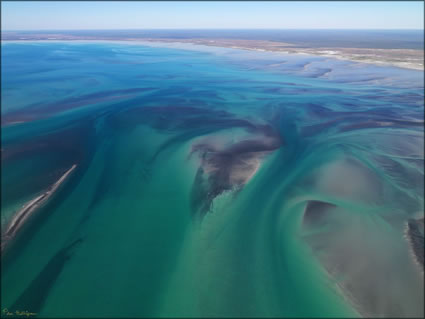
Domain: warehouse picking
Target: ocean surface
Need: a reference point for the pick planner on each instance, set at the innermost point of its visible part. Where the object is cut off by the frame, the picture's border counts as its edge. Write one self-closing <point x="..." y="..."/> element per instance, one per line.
<point x="187" y="181"/>
<point x="374" y="39"/>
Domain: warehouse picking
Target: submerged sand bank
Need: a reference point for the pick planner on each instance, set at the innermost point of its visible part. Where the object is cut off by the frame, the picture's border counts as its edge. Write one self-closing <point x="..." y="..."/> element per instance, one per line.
<point x="29" y="208"/>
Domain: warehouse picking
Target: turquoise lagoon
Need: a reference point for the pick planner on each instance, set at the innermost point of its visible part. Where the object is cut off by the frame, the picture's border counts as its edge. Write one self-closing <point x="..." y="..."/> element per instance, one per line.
<point x="203" y="182"/>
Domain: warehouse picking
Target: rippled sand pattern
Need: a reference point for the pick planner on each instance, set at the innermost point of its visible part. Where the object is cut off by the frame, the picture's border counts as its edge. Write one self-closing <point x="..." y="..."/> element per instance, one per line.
<point x="205" y="182"/>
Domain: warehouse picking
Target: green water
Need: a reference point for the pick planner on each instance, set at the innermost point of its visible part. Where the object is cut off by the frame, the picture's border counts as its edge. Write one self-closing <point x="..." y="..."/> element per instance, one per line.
<point x="209" y="189"/>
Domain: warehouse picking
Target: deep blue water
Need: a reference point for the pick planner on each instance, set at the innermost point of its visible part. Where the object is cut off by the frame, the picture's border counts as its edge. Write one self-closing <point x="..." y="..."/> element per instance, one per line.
<point x="210" y="182"/>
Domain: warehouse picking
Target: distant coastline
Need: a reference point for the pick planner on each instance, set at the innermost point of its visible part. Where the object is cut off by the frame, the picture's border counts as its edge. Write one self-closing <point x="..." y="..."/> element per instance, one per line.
<point x="403" y="58"/>
<point x="408" y="56"/>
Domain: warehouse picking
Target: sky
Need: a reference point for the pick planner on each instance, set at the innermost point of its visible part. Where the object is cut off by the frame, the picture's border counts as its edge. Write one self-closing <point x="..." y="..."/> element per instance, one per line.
<point x="73" y="15"/>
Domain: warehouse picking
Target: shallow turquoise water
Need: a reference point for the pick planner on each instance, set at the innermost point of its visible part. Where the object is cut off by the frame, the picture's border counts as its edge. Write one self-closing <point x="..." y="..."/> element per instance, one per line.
<point x="209" y="182"/>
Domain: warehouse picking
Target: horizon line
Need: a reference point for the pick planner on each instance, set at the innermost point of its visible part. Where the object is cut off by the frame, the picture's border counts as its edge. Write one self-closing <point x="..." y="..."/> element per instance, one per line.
<point x="217" y="29"/>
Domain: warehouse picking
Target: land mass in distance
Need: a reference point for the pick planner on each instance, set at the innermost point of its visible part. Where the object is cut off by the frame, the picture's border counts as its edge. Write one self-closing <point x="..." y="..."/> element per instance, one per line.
<point x="399" y="57"/>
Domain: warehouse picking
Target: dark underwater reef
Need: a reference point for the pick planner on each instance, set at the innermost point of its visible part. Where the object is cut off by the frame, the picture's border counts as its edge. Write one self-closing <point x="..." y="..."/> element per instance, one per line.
<point x="229" y="167"/>
<point x="196" y="196"/>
